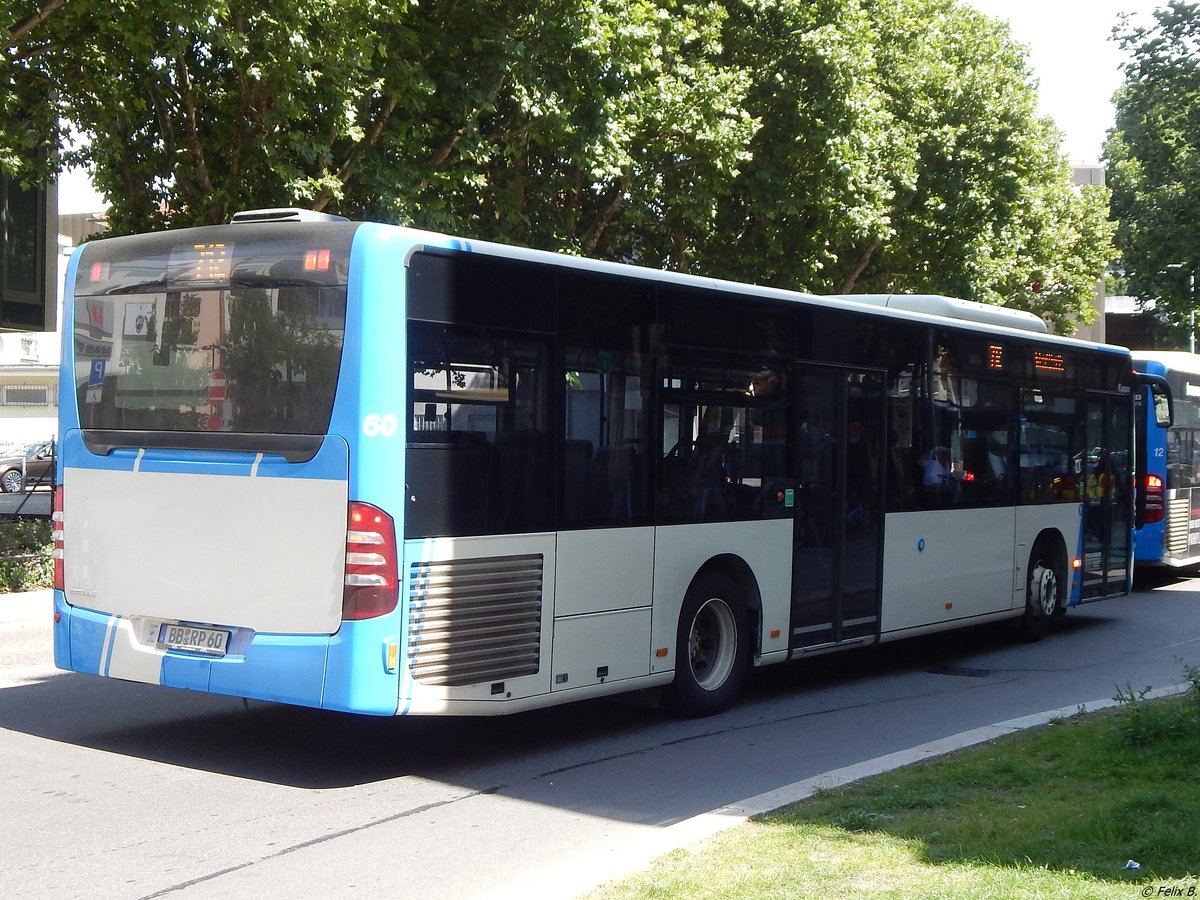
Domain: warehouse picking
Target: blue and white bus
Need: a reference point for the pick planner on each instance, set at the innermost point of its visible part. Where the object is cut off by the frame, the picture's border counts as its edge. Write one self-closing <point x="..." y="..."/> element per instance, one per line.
<point x="366" y="468"/>
<point x="1167" y="515"/>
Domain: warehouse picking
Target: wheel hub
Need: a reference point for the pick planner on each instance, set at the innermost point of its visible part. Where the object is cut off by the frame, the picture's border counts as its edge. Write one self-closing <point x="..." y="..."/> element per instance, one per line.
<point x="1045" y="587"/>
<point x="712" y="644"/>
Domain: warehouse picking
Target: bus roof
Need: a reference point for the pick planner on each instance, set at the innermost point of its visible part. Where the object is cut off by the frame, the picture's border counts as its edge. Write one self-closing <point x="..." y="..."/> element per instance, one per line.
<point x="1171" y="360"/>
<point x="954" y="308"/>
<point x="933" y="309"/>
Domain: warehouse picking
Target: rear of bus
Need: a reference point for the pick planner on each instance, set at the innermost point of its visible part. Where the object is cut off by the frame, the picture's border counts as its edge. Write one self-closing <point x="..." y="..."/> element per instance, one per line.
<point x="1167" y="516"/>
<point x="209" y="533"/>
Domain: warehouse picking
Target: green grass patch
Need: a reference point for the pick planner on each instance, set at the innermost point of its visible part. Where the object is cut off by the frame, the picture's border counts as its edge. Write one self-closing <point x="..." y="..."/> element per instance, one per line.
<point x="1055" y="811"/>
<point x="26" y="563"/>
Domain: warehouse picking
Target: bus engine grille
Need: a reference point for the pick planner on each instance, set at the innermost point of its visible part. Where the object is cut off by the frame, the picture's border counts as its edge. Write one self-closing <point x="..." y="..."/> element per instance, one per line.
<point x="1179" y="513"/>
<point x="475" y="620"/>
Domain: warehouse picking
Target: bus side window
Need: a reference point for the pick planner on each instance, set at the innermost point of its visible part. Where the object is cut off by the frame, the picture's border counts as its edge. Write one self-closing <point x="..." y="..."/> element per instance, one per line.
<point x="478" y="445"/>
<point x="725" y="452"/>
<point x="605" y="448"/>
<point x="902" y="467"/>
<point x="1052" y="463"/>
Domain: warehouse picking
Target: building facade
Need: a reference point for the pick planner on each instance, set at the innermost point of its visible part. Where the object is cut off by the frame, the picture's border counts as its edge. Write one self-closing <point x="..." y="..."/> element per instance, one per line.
<point x="28" y="387"/>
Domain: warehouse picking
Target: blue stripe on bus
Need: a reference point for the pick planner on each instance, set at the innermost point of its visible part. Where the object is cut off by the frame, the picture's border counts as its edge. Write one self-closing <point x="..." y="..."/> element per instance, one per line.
<point x="110" y="643"/>
<point x="88" y="633"/>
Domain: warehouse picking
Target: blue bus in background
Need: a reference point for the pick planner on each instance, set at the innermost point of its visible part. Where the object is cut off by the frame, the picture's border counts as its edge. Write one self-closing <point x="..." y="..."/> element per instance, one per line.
<point x="1167" y="514"/>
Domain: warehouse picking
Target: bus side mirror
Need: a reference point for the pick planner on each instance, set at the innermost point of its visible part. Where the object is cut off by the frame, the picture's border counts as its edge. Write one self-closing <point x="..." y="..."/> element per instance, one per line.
<point x="1160" y="395"/>
<point x="1163" y="414"/>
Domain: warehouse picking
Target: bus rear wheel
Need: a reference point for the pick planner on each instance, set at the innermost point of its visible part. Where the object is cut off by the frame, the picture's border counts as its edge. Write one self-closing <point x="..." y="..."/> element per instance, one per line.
<point x="1042" y="600"/>
<point x="713" y="647"/>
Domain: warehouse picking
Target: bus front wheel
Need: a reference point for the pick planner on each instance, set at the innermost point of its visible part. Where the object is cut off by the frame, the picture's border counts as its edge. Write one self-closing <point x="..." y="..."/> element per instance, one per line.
<point x="713" y="647"/>
<point x="1042" y="601"/>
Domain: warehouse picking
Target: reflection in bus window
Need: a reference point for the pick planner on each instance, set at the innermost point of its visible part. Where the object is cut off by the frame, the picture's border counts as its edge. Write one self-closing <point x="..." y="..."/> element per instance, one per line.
<point x="607" y="449"/>
<point x="724" y="453"/>
<point x="477" y="459"/>
<point x="1052" y="460"/>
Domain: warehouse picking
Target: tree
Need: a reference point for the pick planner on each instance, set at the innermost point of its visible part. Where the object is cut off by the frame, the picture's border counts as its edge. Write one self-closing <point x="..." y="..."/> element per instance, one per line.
<point x="593" y="127"/>
<point x="1154" y="160"/>
<point x="813" y="181"/>
<point x="27" y="101"/>
<point x="810" y="144"/>
<point x="194" y="110"/>
<point x="983" y="204"/>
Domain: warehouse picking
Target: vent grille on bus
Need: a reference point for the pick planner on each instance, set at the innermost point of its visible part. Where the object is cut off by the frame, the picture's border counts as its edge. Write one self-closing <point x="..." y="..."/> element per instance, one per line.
<point x="475" y="620"/>
<point x="1178" y="520"/>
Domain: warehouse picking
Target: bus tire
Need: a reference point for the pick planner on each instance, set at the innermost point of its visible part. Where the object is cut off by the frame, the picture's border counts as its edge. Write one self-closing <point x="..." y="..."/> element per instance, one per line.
<point x="1043" y="600"/>
<point x="713" y="647"/>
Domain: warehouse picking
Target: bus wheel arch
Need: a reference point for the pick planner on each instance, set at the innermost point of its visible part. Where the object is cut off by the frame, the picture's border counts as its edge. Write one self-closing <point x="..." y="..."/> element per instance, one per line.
<point x="715" y="637"/>
<point x="1046" y="583"/>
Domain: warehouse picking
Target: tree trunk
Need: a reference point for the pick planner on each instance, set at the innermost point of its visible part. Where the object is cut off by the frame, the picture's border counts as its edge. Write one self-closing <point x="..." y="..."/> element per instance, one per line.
<point x="864" y="260"/>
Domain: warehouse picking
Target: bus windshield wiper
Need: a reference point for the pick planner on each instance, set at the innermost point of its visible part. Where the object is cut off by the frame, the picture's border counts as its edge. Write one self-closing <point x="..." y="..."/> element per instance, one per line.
<point x="272" y="281"/>
<point x="140" y="287"/>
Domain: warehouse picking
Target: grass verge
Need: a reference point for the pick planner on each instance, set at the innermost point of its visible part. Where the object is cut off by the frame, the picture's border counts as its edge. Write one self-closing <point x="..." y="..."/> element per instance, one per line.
<point x="1057" y="811"/>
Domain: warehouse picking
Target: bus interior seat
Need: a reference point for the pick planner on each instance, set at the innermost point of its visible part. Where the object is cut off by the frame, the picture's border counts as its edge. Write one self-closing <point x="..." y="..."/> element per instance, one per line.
<point x="522" y="484"/>
<point x="577" y="463"/>
<point x="612" y="491"/>
<point x="452" y="475"/>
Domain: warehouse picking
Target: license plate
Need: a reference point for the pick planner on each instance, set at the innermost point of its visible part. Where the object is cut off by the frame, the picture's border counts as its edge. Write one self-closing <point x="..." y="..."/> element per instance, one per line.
<point x="210" y="641"/>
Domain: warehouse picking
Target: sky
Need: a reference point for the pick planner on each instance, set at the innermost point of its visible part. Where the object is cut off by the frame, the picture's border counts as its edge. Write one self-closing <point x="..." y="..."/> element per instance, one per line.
<point x="1077" y="66"/>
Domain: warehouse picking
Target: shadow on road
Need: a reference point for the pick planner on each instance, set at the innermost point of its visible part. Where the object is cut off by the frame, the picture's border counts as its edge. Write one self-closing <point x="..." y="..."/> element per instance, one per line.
<point x="317" y="749"/>
<point x="1147" y="579"/>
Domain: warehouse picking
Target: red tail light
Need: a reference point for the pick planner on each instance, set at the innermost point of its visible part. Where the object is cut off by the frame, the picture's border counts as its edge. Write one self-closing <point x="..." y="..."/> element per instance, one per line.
<point x="59" y="581"/>
<point x="1155" y="505"/>
<point x="371" y="563"/>
<point x="316" y="261"/>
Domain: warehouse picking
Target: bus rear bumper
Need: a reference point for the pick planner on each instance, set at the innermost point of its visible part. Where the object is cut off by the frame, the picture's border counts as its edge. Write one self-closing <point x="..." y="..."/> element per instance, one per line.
<point x="278" y="668"/>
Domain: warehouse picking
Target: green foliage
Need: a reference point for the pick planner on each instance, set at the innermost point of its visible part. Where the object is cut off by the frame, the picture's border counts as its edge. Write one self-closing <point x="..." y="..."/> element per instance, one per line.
<point x="813" y="183"/>
<point x="25" y="560"/>
<point x="1143" y="723"/>
<point x="808" y="145"/>
<point x="1153" y="157"/>
<point x="984" y="207"/>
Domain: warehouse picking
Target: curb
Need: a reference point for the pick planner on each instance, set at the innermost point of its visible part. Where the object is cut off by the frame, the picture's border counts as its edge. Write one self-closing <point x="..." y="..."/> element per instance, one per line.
<point x="578" y="876"/>
<point x="710" y="823"/>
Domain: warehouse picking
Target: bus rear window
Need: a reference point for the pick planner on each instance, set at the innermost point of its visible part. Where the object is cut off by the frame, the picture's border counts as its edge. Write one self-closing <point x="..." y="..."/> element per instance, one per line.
<point x="214" y="331"/>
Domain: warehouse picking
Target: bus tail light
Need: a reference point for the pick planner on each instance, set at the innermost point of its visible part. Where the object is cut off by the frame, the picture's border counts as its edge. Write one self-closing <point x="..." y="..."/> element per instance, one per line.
<point x="57" y="536"/>
<point x="1155" y="504"/>
<point x="371" y="563"/>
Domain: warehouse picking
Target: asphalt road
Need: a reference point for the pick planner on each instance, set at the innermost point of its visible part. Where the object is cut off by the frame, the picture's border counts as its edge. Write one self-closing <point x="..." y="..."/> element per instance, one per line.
<point x="128" y="791"/>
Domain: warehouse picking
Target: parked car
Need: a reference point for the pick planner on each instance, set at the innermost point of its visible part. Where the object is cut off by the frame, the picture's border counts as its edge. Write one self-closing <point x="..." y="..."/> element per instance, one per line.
<point x="32" y="464"/>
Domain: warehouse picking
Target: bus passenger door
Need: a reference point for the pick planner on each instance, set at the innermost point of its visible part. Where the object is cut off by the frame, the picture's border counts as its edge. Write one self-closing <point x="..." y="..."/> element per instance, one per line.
<point x="1107" y="505"/>
<point x="840" y="451"/>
